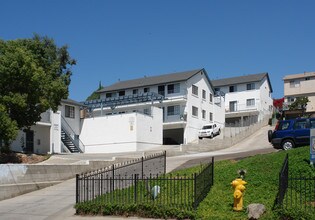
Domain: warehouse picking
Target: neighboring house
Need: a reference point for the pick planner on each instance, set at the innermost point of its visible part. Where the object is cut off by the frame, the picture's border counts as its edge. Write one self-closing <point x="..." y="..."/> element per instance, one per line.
<point x="299" y="85"/>
<point x="130" y="115"/>
<point x="186" y="101"/>
<point x="246" y="97"/>
<point x="54" y="133"/>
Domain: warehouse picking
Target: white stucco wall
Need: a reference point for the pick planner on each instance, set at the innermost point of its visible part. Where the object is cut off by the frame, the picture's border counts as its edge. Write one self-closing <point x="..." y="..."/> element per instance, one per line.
<point x="194" y="124"/>
<point x="73" y="122"/>
<point x="121" y="132"/>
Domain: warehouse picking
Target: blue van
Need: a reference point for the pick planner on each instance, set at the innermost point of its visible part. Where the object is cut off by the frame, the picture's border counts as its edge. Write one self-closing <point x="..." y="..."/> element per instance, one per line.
<point x="291" y="133"/>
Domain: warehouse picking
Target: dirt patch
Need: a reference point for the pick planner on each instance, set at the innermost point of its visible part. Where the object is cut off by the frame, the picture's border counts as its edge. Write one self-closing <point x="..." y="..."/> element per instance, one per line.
<point x="22" y="158"/>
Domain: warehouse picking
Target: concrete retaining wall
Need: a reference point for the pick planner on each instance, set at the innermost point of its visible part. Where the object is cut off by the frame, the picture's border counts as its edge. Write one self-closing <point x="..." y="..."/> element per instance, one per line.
<point x="17" y="179"/>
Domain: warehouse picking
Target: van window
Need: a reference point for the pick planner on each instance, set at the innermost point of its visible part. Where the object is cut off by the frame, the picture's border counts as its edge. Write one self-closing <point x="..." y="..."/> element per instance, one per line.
<point x="312" y="123"/>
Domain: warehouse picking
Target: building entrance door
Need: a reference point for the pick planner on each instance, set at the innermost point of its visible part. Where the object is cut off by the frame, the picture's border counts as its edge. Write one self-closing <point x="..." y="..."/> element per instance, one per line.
<point x="29" y="147"/>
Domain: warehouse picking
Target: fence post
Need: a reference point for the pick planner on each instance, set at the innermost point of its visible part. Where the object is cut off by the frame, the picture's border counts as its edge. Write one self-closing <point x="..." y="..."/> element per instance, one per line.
<point x="135" y="188"/>
<point x="77" y="188"/>
<point x="212" y="178"/>
<point x="142" y="161"/>
<point x="113" y="179"/>
<point x="165" y="162"/>
<point x="195" y="191"/>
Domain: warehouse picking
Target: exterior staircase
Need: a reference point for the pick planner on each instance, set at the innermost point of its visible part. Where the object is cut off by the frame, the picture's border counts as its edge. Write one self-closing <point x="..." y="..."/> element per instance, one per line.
<point x="70" y="139"/>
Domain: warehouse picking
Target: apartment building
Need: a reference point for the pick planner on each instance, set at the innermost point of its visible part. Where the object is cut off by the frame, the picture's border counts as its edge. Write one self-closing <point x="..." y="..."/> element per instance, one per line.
<point x="56" y="132"/>
<point x="299" y="85"/>
<point x="246" y="97"/>
<point x="186" y="99"/>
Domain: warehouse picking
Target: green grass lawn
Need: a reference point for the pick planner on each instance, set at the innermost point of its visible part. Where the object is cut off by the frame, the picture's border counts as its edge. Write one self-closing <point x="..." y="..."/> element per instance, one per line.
<point x="262" y="187"/>
<point x="262" y="183"/>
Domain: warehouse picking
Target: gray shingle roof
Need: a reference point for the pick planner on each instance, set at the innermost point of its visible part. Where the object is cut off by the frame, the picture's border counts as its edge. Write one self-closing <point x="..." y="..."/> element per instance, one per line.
<point x="71" y="102"/>
<point x="152" y="80"/>
<point x="241" y="79"/>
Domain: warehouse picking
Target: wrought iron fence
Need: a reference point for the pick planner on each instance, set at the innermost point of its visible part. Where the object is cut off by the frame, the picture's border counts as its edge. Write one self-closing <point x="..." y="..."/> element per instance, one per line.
<point x="105" y="180"/>
<point x="295" y="192"/>
<point x="139" y="187"/>
<point x="283" y="180"/>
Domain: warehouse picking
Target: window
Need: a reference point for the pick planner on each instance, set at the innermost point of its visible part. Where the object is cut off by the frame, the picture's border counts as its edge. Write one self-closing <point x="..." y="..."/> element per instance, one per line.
<point x="146" y="90"/>
<point x="232" y="89"/>
<point x="173" y="110"/>
<point x="146" y="111"/>
<point x="69" y="111"/>
<point x="203" y="114"/>
<point x="108" y="95"/>
<point x="250" y="86"/>
<point x="217" y="89"/>
<point x="195" y="111"/>
<point x="195" y="90"/>
<point x="301" y="124"/>
<point x="211" y="116"/>
<point x="173" y="88"/>
<point x="135" y="91"/>
<point x="121" y="93"/>
<point x="312" y="122"/>
<point x="161" y="90"/>
<point x="211" y="98"/>
<point x="290" y="99"/>
<point x="284" y="125"/>
<point x="307" y="78"/>
<point x="233" y="106"/>
<point x="204" y="94"/>
<point x="250" y="102"/>
<point x="294" y="83"/>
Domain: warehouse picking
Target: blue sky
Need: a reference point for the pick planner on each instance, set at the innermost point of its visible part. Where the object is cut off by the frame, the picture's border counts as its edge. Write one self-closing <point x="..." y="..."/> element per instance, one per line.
<point x="115" y="39"/>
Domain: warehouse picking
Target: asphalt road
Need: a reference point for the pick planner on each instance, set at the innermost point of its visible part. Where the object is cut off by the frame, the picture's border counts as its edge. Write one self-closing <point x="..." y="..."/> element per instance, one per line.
<point x="56" y="202"/>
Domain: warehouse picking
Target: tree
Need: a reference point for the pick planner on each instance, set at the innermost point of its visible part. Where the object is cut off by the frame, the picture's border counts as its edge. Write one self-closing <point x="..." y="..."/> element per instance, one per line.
<point x="95" y="94"/>
<point x="300" y="103"/>
<point x="35" y="75"/>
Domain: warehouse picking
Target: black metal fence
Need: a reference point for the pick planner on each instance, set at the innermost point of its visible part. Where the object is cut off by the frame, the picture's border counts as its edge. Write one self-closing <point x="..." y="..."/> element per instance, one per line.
<point x="95" y="183"/>
<point x="296" y="192"/>
<point x="138" y="187"/>
<point x="283" y="180"/>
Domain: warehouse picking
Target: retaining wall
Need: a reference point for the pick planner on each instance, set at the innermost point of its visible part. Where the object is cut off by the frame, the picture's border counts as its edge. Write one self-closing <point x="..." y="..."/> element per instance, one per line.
<point x="17" y="179"/>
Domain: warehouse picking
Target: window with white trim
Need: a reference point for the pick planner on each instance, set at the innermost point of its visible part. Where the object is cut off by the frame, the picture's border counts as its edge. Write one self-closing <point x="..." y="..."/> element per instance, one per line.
<point x="203" y="114"/>
<point x="250" y="102"/>
<point x="194" y="111"/>
<point x="69" y="111"/>
<point x="211" y="116"/>
<point x="232" y="89"/>
<point x="211" y="98"/>
<point x="204" y="96"/>
<point x="173" y="110"/>
<point x="173" y="88"/>
<point x="250" y="86"/>
<point x="195" y="90"/>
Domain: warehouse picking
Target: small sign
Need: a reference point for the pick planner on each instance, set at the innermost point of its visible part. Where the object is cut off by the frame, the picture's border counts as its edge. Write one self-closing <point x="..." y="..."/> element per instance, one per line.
<point x="312" y="146"/>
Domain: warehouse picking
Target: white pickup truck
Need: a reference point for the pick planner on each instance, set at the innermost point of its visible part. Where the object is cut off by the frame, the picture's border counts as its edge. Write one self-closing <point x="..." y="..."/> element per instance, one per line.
<point x="209" y="130"/>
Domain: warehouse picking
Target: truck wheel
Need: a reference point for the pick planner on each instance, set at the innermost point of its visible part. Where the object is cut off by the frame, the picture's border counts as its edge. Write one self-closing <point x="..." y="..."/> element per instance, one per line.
<point x="219" y="132"/>
<point x="269" y="135"/>
<point x="287" y="144"/>
<point x="211" y="135"/>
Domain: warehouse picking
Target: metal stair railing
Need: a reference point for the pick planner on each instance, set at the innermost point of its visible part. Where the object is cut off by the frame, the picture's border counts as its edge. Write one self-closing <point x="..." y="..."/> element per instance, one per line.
<point x="72" y="135"/>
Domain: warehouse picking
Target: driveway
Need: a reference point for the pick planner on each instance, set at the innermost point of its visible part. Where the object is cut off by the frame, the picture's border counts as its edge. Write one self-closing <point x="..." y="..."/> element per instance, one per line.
<point x="56" y="202"/>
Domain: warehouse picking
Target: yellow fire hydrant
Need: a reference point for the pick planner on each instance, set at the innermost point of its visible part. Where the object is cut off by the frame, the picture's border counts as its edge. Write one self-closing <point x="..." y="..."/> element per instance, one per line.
<point x="239" y="188"/>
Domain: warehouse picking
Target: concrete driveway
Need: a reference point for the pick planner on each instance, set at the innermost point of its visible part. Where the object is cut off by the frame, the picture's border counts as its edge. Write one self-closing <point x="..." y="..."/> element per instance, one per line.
<point x="56" y="202"/>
